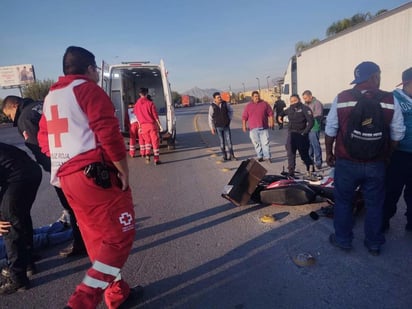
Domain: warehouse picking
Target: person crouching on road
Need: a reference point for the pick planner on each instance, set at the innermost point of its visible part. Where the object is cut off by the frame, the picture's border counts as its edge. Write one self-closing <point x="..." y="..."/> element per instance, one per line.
<point x="25" y="114"/>
<point x="148" y="118"/>
<point x="20" y="179"/>
<point x="220" y="116"/>
<point x="89" y="163"/>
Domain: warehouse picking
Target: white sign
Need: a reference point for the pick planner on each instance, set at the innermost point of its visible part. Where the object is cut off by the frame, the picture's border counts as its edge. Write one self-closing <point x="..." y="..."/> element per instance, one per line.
<point x="16" y="75"/>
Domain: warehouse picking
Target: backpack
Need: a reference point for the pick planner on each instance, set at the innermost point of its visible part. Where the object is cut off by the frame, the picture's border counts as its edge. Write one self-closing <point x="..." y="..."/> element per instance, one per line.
<point x="366" y="134"/>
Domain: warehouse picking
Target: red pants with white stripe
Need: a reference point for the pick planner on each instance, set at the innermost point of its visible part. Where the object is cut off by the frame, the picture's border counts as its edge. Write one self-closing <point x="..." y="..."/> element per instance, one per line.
<point x="106" y="221"/>
<point x="150" y="138"/>
<point x="134" y="133"/>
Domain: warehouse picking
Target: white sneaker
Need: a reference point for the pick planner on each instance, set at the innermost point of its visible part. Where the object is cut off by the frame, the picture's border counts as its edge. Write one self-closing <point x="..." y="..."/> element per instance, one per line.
<point x="65" y="218"/>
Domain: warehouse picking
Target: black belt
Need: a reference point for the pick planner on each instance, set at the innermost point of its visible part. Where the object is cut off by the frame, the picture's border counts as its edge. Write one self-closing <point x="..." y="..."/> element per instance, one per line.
<point x="100" y="173"/>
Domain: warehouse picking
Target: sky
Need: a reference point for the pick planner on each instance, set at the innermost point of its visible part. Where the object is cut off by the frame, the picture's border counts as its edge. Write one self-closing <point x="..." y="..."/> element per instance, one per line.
<point x="204" y="43"/>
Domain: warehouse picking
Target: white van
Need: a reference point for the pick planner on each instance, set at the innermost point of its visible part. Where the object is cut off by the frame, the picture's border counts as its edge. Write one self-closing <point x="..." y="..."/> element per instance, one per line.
<point x="122" y="83"/>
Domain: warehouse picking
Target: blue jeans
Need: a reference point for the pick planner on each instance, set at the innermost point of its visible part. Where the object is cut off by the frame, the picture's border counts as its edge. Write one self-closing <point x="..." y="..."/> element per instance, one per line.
<point x="315" y="151"/>
<point x="260" y="140"/>
<point x="225" y="140"/>
<point x="371" y="178"/>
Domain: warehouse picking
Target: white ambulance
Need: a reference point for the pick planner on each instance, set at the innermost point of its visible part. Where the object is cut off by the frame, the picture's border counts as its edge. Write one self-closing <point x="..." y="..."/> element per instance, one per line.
<point x="122" y="83"/>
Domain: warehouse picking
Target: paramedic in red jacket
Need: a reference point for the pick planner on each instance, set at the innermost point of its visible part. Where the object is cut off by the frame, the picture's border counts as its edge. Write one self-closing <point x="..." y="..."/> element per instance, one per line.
<point x="88" y="157"/>
<point x="148" y="119"/>
<point x="131" y="120"/>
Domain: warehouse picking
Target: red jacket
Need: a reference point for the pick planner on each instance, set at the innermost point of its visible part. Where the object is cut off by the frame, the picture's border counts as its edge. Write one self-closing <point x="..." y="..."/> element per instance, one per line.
<point x="100" y="114"/>
<point x="145" y="111"/>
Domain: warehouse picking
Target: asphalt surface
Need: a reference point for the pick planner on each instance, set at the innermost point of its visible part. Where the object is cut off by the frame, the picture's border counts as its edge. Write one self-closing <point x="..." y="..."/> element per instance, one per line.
<point x="194" y="249"/>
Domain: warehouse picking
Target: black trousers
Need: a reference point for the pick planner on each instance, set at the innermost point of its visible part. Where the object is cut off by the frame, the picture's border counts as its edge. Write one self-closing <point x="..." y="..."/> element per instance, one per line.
<point x="16" y="201"/>
<point x="280" y="124"/>
<point x="45" y="162"/>
<point x="297" y="142"/>
<point x="77" y="237"/>
<point x="398" y="180"/>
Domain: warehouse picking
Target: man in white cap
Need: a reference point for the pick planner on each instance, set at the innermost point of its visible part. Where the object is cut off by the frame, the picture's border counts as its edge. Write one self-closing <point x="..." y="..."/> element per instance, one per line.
<point x="353" y="171"/>
<point x="399" y="171"/>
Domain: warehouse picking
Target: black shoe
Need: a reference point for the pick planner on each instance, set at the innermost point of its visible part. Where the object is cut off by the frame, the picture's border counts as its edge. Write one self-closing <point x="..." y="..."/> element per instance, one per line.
<point x="385" y="227"/>
<point x="261" y="160"/>
<point x="136" y="293"/>
<point x="157" y="162"/>
<point x="289" y="175"/>
<point x="373" y="251"/>
<point x="36" y="257"/>
<point x="30" y="271"/>
<point x="73" y="251"/>
<point x="332" y="240"/>
<point x="9" y="286"/>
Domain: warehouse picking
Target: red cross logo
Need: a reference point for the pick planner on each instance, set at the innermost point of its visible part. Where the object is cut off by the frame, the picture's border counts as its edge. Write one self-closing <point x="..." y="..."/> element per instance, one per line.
<point x="125" y="218"/>
<point x="57" y="126"/>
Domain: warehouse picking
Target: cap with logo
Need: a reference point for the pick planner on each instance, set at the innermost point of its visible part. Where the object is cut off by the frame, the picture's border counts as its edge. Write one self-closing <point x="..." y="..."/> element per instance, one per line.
<point x="364" y="71"/>
<point x="406" y="77"/>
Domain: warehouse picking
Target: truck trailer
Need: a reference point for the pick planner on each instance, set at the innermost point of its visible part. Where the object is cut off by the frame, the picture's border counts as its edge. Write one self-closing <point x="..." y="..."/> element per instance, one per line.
<point x="327" y="67"/>
<point x="122" y="83"/>
<point x="188" y="100"/>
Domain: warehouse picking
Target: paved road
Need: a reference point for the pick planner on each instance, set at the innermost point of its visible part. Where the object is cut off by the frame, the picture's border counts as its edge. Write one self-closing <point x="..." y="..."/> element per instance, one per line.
<point x="193" y="249"/>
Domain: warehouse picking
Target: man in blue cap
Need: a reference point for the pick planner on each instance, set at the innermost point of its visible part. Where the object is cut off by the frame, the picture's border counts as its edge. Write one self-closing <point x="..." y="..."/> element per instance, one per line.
<point x="353" y="171"/>
<point x="399" y="170"/>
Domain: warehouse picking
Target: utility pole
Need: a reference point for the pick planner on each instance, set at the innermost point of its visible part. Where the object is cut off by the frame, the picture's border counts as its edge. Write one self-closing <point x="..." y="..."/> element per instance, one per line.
<point x="258" y="83"/>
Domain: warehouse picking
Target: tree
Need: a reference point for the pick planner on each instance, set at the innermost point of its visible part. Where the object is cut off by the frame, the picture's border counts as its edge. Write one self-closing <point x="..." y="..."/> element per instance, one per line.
<point x="175" y="97"/>
<point x="206" y="99"/>
<point x="346" y="23"/>
<point x="303" y="45"/>
<point x="338" y="26"/>
<point x="37" y="90"/>
<point x="3" y="118"/>
<point x="299" y="46"/>
<point x="360" y="18"/>
<point x="381" y="12"/>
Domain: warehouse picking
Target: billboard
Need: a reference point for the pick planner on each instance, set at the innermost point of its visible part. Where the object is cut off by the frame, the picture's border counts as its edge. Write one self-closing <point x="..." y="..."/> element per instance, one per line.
<point x="16" y="75"/>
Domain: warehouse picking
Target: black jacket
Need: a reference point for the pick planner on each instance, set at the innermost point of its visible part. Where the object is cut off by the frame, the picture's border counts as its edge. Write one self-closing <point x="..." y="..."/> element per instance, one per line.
<point x="300" y="118"/>
<point x="16" y="165"/>
<point x="278" y="107"/>
<point x="27" y="121"/>
<point x="220" y="115"/>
